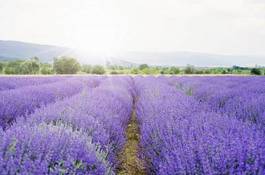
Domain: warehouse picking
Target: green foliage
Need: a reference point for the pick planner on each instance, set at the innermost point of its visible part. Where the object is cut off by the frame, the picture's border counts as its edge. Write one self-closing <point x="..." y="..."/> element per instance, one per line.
<point x="46" y="69"/>
<point x="164" y="70"/>
<point x="224" y="72"/>
<point x="143" y="66"/>
<point x="229" y="71"/>
<point x="121" y="68"/>
<point x="87" y="68"/>
<point x="207" y="71"/>
<point x="13" y="67"/>
<point x="155" y="70"/>
<point x="66" y="65"/>
<point x="150" y="70"/>
<point x="114" y="72"/>
<point x="200" y="71"/>
<point x="174" y="70"/>
<point x="146" y="71"/>
<point x="255" y="71"/>
<point x="31" y="66"/>
<point x="134" y="71"/>
<point x="1" y="67"/>
<point x="189" y="69"/>
<point x="97" y="69"/>
<point x="239" y="70"/>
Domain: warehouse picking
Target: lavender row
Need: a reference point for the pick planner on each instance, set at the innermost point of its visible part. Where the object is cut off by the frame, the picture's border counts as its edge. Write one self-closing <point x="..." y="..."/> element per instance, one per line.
<point x="8" y="83"/>
<point x="78" y="135"/>
<point x="240" y="97"/>
<point x="49" y="149"/>
<point x="179" y="135"/>
<point x="23" y="101"/>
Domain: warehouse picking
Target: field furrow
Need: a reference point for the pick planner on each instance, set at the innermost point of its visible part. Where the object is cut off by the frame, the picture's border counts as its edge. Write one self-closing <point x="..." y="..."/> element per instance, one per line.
<point x="133" y="126"/>
<point x="131" y="164"/>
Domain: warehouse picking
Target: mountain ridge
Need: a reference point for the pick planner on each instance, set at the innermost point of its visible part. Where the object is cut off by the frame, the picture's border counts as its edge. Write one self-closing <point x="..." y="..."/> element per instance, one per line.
<point x="14" y="50"/>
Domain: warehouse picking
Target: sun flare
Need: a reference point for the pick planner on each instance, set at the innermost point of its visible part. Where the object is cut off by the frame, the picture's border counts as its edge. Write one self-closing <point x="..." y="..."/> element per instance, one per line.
<point x="95" y="31"/>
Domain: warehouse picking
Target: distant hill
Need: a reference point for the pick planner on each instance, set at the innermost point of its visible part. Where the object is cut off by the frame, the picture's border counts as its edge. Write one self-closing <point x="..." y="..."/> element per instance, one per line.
<point x="12" y="50"/>
<point x="194" y="58"/>
<point x="119" y="62"/>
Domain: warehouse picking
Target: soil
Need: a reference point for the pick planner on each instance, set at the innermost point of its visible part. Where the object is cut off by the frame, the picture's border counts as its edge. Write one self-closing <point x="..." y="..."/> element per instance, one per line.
<point x="131" y="164"/>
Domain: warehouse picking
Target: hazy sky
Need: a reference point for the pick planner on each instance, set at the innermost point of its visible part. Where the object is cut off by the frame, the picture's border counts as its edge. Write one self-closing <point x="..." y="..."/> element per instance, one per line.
<point x="109" y="26"/>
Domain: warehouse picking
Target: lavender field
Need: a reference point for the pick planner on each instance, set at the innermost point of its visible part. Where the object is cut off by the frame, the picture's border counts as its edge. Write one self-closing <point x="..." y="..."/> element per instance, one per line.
<point x="132" y="125"/>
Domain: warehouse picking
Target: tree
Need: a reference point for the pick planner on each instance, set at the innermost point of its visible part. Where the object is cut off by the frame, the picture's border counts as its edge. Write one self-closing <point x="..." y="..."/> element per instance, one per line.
<point x="164" y="70"/>
<point x="97" y="69"/>
<point x="13" y="67"/>
<point x="143" y="66"/>
<point x="66" y="65"/>
<point x="114" y="72"/>
<point x="198" y="71"/>
<point x="1" y="67"/>
<point x="134" y="71"/>
<point x="87" y="68"/>
<point x="146" y="71"/>
<point x="255" y="71"/>
<point x="189" y="69"/>
<point x="35" y="59"/>
<point x="174" y="70"/>
<point x="224" y="71"/>
<point x="154" y="70"/>
<point x="46" y="69"/>
<point x="31" y="66"/>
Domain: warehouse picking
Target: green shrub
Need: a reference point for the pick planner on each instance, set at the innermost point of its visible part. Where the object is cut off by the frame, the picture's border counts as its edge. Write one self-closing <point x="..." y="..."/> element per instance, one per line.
<point x="98" y="70"/>
<point x="143" y="66"/>
<point x="13" y="67"/>
<point x="66" y="65"/>
<point x="255" y="71"/>
<point x="189" y="69"/>
<point x="46" y="69"/>
<point x="114" y="72"/>
<point x="134" y="71"/>
<point x="146" y="71"/>
<point x="174" y="70"/>
<point x="1" y="67"/>
<point x="31" y="66"/>
<point x="87" y="68"/>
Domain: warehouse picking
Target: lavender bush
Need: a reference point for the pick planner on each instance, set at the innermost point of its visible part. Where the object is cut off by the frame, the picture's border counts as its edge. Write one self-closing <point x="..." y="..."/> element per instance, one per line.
<point x="100" y="115"/>
<point x="239" y="97"/>
<point x="180" y="136"/>
<point x="23" y="101"/>
<point x="8" y="83"/>
<point x="188" y="125"/>
<point x="49" y="149"/>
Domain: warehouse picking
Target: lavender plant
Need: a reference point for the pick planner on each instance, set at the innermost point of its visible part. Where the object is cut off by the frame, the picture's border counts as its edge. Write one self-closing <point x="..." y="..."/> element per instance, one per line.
<point x="180" y="136"/>
<point x="8" y="83"/>
<point x="100" y="115"/>
<point x="239" y="97"/>
<point x="49" y="149"/>
<point x="23" y="101"/>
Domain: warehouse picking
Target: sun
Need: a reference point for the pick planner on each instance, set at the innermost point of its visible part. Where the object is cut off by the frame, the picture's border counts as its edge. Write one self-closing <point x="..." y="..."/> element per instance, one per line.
<point x="94" y="31"/>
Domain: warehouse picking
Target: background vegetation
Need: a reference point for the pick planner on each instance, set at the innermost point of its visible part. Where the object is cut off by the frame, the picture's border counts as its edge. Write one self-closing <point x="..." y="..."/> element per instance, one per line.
<point x="69" y="65"/>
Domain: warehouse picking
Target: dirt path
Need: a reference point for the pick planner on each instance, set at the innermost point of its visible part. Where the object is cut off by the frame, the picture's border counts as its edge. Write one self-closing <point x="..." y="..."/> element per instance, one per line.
<point x="130" y="162"/>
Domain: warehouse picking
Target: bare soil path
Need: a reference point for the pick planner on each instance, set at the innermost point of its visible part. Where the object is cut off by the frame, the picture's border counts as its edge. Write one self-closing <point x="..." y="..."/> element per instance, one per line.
<point x="130" y="162"/>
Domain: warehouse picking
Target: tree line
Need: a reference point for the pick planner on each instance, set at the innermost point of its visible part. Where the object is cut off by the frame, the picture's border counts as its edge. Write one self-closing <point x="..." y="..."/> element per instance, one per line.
<point x="61" y="65"/>
<point x="69" y="65"/>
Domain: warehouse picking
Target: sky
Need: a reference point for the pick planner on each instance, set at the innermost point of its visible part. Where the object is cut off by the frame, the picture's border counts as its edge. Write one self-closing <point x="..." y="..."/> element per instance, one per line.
<point x="235" y="27"/>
